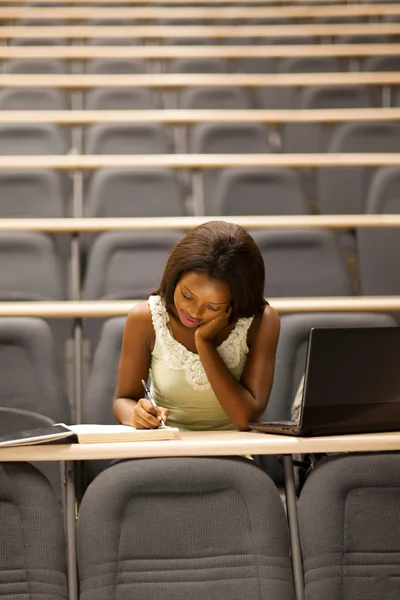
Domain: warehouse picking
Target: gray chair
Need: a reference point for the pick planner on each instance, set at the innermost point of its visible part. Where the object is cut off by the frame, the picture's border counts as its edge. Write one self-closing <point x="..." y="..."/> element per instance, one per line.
<point x="32" y="541"/>
<point x="115" y="66"/>
<point x="127" y="138"/>
<point x="343" y="190"/>
<point x="348" y="522"/>
<point x="45" y="41"/>
<point x="36" y="66"/>
<point x="256" y="191"/>
<point x="303" y="262"/>
<point x="223" y="98"/>
<point x="107" y="41"/>
<point x="122" y="99"/>
<point x="13" y="420"/>
<point x="184" y="528"/>
<point x="32" y="193"/>
<point x="309" y="64"/>
<point x="381" y="63"/>
<point x="135" y="193"/>
<point x="230" y="138"/>
<point x="378" y="249"/>
<point x="33" y="99"/>
<point x="30" y="373"/>
<point x="291" y="359"/>
<point x="315" y="137"/>
<point x="33" y="138"/>
<point x="363" y="39"/>
<point x="198" y="65"/>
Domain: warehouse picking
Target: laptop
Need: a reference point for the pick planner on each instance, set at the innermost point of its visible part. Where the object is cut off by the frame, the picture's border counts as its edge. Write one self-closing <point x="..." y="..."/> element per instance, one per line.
<point x="352" y="384"/>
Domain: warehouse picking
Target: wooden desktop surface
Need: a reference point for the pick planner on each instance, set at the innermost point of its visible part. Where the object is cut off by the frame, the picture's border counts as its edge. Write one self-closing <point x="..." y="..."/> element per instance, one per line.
<point x="218" y="443"/>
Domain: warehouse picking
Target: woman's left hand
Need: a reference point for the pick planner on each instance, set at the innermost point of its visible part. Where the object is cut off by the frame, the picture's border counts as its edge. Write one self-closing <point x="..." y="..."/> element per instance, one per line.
<point x="207" y="332"/>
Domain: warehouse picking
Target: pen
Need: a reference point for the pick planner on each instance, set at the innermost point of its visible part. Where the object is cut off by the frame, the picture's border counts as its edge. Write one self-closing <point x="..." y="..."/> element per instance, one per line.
<point x="150" y="397"/>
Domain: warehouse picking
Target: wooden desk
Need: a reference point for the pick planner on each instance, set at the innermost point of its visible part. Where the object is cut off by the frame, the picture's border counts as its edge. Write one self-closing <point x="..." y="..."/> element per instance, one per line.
<point x="206" y="13"/>
<point x="190" y="117"/>
<point x="186" y="2"/>
<point x="179" y="80"/>
<point x="72" y="53"/>
<point x="194" y="31"/>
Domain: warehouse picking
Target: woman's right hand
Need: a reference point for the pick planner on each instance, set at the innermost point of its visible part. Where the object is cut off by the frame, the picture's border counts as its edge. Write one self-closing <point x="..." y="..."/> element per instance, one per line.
<point x="145" y="416"/>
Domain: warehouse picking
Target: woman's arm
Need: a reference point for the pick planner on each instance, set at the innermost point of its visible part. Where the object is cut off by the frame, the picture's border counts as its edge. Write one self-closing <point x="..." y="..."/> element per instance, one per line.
<point x="245" y="400"/>
<point x="129" y="406"/>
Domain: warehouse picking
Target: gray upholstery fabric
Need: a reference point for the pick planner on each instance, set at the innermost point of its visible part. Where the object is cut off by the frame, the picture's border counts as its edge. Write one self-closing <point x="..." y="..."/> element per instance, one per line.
<point x="224" y="97"/>
<point x="33" y="99"/>
<point x="14" y="420"/>
<point x="379" y="249"/>
<point x="254" y="191"/>
<point x="126" y="138"/>
<point x="97" y="406"/>
<point x="31" y="193"/>
<point x="32" y="543"/>
<point x="135" y="193"/>
<point x="36" y="65"/>
<point x="33" y="138"/>
<point x="291" y="359"/>
<point x="180" y="528"/>
<point x="116" y="65"/>
<point x="349" y="528"/>
<point x="293" y="260"/>
<point x="381" y="63"/>
<point x="30" y="376"/>
<point x="343" y="190"/>
<point x="211" y="138"/>
<point x="198" y="65"/>
<point x="122" y="99"/>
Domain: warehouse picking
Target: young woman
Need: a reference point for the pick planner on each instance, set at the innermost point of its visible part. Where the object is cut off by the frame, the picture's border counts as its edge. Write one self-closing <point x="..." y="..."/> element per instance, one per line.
<point x="207" y="337"/>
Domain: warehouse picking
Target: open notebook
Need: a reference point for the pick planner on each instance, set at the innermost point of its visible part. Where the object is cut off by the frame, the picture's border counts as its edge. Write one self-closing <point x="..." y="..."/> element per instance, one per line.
<point x="86" y="434"/>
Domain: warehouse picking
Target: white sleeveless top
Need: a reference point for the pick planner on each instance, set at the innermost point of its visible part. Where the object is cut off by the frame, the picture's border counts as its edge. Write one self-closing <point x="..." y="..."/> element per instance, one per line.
<point x="178" y="379"/>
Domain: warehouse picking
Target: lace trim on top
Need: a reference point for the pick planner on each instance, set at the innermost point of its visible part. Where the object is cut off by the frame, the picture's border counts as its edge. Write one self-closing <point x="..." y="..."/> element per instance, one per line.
<point x="178" y="357"/>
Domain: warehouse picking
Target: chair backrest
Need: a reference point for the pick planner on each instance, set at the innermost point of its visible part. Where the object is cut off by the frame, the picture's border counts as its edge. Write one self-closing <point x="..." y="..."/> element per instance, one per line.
<point x="122" y="99"/>
<point x="198" y="65"/>
<point x="224" y="98"/>
<point x="348" y="511"/>
<point x="14" y="420"/>
<point x="381" y="63"/>
<point x="32" y="541"/>
<point x="31" y="193"/>
<point x="135" y="193"/>
<point x="33" y="99"/>
<point x="36" y="66"/>
<point x="343" y="190"/>
<point x="30" y="267"/>
<point x="378" y="249"/>
<point x="293" y="260"/>
<point x="163" y="524"/>
<point x="116" y="65"/>
<point x="31" y="378"/>
<point x="253" y="191"/>
<point x="32" y="138"/>
<point x="309" y="64"/>
<point x="230" y="138"/>
<point x="126" y="138"/>
<point x="126" y="264"/>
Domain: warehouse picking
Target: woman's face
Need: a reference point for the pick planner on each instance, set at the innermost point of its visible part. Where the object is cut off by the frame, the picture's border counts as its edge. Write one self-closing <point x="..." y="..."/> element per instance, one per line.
<point x="198" y="298"/>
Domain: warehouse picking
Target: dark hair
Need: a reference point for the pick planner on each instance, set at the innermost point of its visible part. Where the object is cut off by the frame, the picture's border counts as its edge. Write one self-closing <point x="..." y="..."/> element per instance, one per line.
<point x="223" y="251"/>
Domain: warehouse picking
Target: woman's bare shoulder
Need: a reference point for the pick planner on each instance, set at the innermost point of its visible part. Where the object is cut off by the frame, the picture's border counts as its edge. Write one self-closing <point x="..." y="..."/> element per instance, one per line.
<point x="139" y="321"/>
<point x="265" y="323"/>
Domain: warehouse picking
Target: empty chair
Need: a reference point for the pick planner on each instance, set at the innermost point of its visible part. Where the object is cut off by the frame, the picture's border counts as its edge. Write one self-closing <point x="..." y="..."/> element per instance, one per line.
<point x="379" y="249"/>
<point x="381" y="63"/>
<point x="30" y="267"/>
<point x="127" y="138"/>
<point x="32" y="541"/>
<point x="108" y="41"/>
<point x="229" y="138"/>
<point x="186" y="41"/>
<point x="13" y="420"/>
<point x="36" y="66"/>
<point x="224" y="97"/>
<point x="127" y="265"/>
<point x="33" y="99"/>
<point x="122" y="99"/>
<point x="291" y="359"/>
<point x="116" y="66"/>
<point x="344" y="190"/>
<point x="293" y="260"/>
<point x="309" y="64"/>
<point x="315" y="137"/>
<point x="198" y="65"/>
<point x="31" y="193"/>
<point x="349" y="541"/>
<point x="35" y="41"/>
<point x="31" y="378"/>
<point x="135" y="193"/>
<point x="363" y="39"/>
<point x="34" y="138"/>
<point x="169" y="523"/>
<point x="254" y="191"/>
